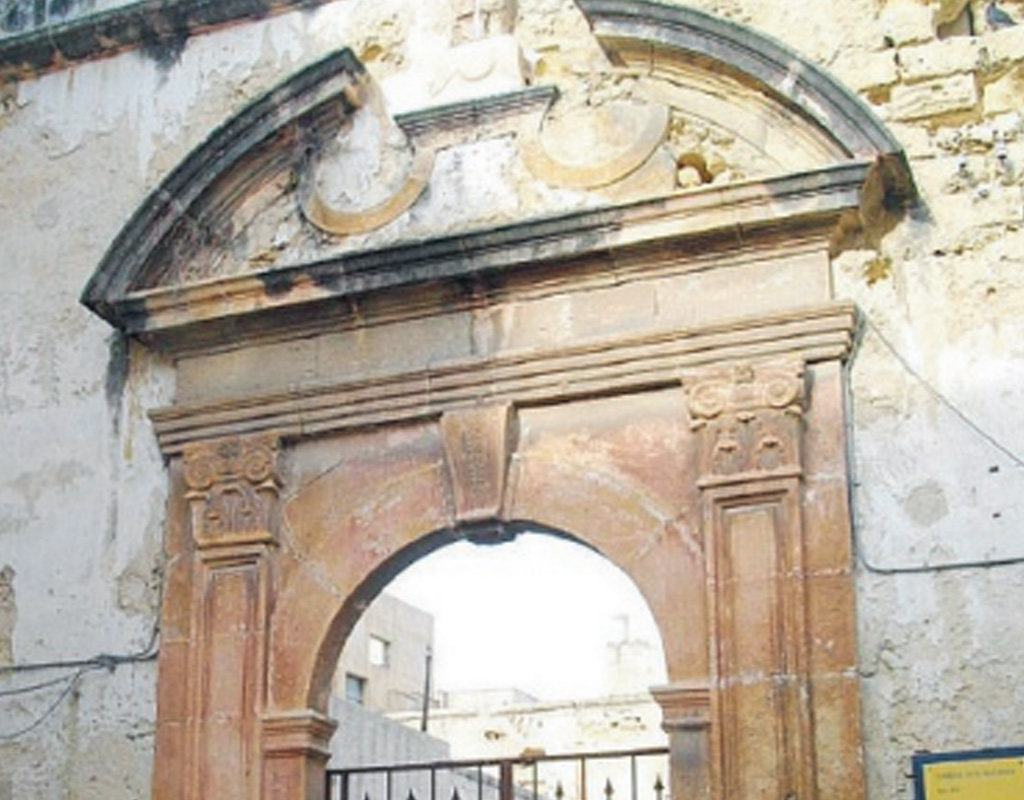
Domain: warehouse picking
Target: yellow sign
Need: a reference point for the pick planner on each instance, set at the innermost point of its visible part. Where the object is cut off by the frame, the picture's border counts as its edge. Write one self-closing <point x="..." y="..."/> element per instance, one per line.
<point x="980" y="779"/>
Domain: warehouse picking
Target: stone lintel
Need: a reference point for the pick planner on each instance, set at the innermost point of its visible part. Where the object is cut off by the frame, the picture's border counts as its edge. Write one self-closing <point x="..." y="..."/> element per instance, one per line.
<point x="623" y="365"/>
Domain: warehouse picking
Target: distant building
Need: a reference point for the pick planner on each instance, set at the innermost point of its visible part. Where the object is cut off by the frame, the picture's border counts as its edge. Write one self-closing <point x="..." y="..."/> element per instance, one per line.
<point x="385" y="661"/>
<point x="383" y="668"/>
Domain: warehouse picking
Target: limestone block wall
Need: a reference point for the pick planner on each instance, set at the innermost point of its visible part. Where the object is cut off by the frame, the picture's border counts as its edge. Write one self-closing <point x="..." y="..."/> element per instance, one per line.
<point x="937" y="380"/>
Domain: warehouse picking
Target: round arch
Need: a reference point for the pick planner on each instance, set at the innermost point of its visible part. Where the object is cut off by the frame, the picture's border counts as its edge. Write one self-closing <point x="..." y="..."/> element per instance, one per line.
<point x="410" y="515"/>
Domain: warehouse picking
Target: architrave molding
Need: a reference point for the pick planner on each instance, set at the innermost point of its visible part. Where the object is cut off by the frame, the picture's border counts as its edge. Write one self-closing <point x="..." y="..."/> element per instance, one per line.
<point x="619" y="366"/>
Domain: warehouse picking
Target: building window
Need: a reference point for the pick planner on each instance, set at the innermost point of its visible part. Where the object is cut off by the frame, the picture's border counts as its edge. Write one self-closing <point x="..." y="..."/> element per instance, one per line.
<point x="355" y="689"/>
<point x="379" y="651"/>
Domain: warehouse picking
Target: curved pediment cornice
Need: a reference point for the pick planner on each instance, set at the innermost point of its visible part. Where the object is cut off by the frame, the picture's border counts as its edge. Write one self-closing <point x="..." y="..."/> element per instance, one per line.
<point x="244" y="230"/>
<point x="656" y="36"/>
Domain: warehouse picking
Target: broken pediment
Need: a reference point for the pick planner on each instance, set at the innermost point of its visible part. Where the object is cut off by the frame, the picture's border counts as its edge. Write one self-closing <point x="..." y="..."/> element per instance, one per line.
<point x="318" y="191"/>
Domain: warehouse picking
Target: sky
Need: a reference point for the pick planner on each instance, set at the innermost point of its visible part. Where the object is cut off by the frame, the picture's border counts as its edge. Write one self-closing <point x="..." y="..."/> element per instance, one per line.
<point x="534" y="614"/>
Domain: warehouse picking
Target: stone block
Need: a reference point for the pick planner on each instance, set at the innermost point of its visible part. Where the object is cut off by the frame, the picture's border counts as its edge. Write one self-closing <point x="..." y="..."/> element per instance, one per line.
<point x="960" y="54"/>
<point x="827" y="536"/>
<point x="907" y="21"/>
<point x="830" y="617"/>
<point x="862" y="70"/>
<point x="837" y="734"/>
<point x="934" y="98"/>
<point x="916" y="141"/>
<point x="1005" y="47"/>
<point x="1004" y="95"/>
<point x="620" y="309"/>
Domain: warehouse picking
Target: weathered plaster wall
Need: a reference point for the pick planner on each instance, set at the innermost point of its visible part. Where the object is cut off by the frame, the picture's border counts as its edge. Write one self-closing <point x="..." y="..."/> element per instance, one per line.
<point x="82" y="486"/>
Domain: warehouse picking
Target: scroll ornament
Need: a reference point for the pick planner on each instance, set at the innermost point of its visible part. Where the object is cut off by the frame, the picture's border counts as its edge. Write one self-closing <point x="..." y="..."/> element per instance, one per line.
<point x="748" y="418"/>
<point x="233" y="486"/>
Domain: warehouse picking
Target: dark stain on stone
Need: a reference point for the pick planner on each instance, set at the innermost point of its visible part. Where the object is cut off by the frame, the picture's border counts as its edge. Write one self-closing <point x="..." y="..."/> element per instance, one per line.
<point x="277" y="284"/>
<point x="14" y="18"/>
<point x="164" y="38"/>
<point x="117" y="370"/>
<point x="60" y="10"/>
<point x="75" y="32"/>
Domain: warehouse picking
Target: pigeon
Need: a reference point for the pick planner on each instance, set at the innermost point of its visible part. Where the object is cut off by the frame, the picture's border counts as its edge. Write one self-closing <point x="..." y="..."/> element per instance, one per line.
<point x="996" y="17"/>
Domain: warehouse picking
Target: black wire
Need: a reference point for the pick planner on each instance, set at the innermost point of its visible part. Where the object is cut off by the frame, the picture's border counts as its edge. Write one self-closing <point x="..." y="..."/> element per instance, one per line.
<point x="73" y="681"/>
<point x="103" y="660"/>
<point x="35" y="687"/>
<point x="859" y="550"/>
<point x="988" y="437"/>
<point x="82" y="666"/>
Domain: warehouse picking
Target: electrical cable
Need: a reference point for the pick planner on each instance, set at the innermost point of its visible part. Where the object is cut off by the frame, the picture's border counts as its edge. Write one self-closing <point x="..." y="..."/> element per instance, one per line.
<point x="858" y="545"/>
<point x="82" y="666"/>
<point x="103" y="660"/>
<point x="73" y="681"/>
<point x="992" y="440"/>
<point x="35" y="687"/>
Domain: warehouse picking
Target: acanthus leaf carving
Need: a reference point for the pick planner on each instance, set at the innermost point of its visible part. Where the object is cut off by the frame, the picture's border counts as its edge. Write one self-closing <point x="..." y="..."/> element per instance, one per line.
<point x="748" y="418"/>
<point x="233" y="488"/>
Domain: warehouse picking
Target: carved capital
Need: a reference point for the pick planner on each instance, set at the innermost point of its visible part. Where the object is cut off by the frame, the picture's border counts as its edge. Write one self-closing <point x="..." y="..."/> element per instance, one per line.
<point x="233" y="487"/>
<point x="305" y="733"/>
<point x="748" y="418"/>
<point x="684" y="705"/>
<point x="477" y="446"/>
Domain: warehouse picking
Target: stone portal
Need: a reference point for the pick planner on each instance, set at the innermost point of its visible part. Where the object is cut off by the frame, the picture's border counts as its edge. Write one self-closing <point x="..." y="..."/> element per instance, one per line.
<point x="641" y="353"/>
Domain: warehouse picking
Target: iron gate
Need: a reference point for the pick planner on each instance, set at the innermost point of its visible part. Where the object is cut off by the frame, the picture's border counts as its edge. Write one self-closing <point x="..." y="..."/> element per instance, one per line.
<point x="614" y="775"/>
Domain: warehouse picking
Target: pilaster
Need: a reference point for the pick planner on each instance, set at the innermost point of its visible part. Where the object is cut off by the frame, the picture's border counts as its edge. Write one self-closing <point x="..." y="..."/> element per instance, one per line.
<point x="231" y="487"/>
<point x="748" y="421"/>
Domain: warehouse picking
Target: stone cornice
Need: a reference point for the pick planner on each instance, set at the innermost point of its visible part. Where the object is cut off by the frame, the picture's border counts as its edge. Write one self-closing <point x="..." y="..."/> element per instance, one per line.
<point x="737" y="212"/>
<point x="619" y="366"/>
<point x="159" y="28"/>
<point x="266" y="138"/>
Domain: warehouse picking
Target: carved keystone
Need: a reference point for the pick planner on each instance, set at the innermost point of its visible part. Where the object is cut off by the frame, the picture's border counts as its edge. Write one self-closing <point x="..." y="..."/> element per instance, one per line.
<point x="748" y="418"/>
<point x="233" y="486"/>
<point x="477" y="446"/>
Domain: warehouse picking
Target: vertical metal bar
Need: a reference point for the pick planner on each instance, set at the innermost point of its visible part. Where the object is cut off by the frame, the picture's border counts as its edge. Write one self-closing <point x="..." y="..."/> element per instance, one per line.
<point x="480" y="782"/>
<point x="536" y="782"/>
<point x="633" y="777"/>
<point x="387" y="785"/>
<point x="505" y="781"/>
<point x="583" y="778"/>
<point x="428" y="670"/>
<point x="433" y="783"/>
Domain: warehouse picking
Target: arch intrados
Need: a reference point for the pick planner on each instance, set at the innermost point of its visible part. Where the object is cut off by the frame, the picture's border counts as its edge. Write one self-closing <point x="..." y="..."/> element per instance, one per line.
<point x="491" y="534"/>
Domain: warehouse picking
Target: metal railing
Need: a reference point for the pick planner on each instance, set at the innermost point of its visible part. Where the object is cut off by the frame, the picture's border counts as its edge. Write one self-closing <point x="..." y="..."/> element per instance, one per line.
<point x="615" y="775"/>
